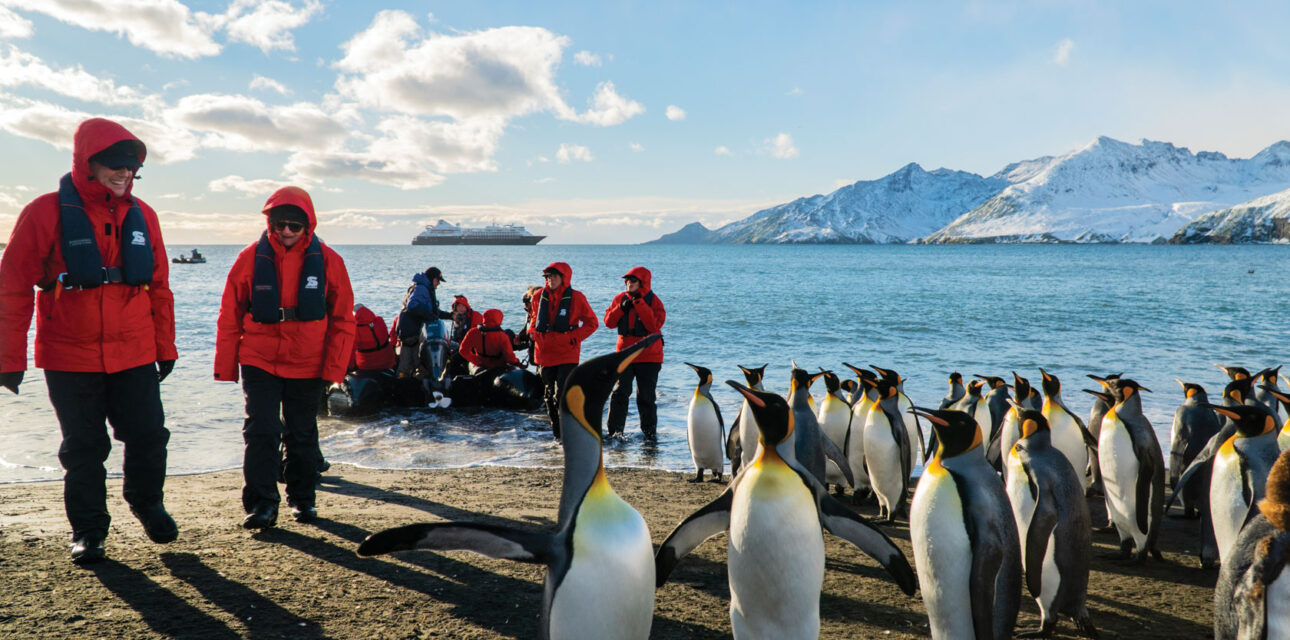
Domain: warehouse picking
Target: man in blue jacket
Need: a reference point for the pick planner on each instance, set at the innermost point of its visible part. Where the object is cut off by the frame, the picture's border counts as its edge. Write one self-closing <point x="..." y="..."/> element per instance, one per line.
<point x="420" y="306"/>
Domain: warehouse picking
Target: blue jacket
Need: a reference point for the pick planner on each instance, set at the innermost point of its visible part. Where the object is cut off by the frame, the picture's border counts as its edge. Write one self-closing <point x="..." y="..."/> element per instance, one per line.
<point x="419" y="307"/>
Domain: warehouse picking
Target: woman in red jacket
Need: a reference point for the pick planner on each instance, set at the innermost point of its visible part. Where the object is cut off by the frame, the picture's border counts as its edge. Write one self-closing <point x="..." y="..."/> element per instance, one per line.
<point x="373" y="349"/>
<point x="105" y="329"/>
<point x="637" y="313"/>
<point x="488" y="346"/>
<point x="562" y="321"/>
<point x="287" y="320"/>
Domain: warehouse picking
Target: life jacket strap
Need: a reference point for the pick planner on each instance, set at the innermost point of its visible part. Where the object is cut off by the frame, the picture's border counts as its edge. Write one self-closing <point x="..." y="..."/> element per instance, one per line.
<point x="111" y="275"/>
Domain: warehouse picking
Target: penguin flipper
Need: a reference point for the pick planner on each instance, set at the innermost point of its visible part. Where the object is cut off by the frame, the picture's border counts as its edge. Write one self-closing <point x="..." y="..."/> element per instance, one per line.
<point x="1042" y="522"/>
<point x="832" y="452"/>
<point x="734" y="449"/>
<point x="1146" y="476"/>
<point x="489" y="540"/>
<point x="854" y="528"/>
<point x="692" y="532"/>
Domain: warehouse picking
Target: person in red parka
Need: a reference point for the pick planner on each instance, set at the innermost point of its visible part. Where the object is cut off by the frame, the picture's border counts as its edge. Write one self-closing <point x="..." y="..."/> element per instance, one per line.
<point x="105" y="329"/>
<point x="463" y="318"/>
<point x="637" y="313"/>
<point x="562" y="321"/>
<point x="287" y="321"/>
<point x="373" y="349"/>
<point x="488" y="346"/>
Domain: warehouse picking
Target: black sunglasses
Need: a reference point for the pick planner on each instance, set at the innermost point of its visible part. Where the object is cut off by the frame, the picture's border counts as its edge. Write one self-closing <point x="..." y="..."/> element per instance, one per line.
<point x="295" y="227"/>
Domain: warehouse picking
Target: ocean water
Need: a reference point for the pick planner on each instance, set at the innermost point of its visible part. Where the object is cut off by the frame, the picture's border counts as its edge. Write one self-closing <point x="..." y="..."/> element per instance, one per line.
<point x="1153" y="312"/>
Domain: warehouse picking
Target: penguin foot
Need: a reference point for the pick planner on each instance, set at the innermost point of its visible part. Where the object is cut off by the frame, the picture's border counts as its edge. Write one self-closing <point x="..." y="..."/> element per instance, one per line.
<point x="717" y="479"/>
<point x="1042" y="631"/>
<point x="1085" y="627"/>
<point x="698" y="478"/>
<point x="1155" y="553"/>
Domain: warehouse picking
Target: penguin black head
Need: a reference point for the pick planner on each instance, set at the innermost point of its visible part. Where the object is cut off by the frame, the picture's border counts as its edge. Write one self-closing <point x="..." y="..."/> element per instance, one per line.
<point x="1021" y="386"/>
<point x="1235" y="373"/>
<point x="862" y="374"/>
<point x="889" y="375"/>
<point x="800" y="379"/>
<point x="1237" y="390"/>
<point x="1191" y="389"/>
<point x="1124" y="388"/>
<point x="886" y="389"/>
<point x="774" y="420"/>
<point x="831" y="382"/>
<point x="956" y="431"/>
<point x="1032" y="421"/>
<point x="956" y="378"/>
<point x="589" y="384"/>
<point x="993" y="382"/>
<point x="974" y="388"/>
<point x="1250" y="420"/>
<point x="1284" y="398"/>
<point x="849" y="386"/>
<point x="1052" y="386"/>
<point x="754" y="376"/>
<point x="705" y="374"/>
<point x="1268" y="376"/>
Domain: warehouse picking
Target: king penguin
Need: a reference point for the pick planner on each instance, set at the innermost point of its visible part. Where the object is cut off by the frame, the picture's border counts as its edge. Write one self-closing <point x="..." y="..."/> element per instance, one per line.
<point x="974" y="405"/>
<point x="1010" y="428"/>
<point x="835" y="422"/>
<point x="1194" y="424"/>
<point x="705" y="428"/>
<point x="600" y="561"/>
<point x="1252" y="597"/>
<point x="1102" y="402"/>
<point x="745" y="427"/>
<point x="996" y="398"/>
<point x="1133" y="470"/>
<point x="1053" y="526"/>
<point x="1265" y="383"/>
<point x="813" y="447"/>
<point x="864" y="401"/>
<point x="886" y="453"/>
<point x="1283" y="435"/>
<point x="1069" y="435"/>
<point x="913" y="430"/>
<point x="773" y="512"/>
<point x="964" y="536"/>
<point x="957" y="391"/>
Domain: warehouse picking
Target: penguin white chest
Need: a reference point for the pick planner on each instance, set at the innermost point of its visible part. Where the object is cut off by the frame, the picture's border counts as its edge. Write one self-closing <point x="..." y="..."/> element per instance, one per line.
<point x="1023" y="502"/>
<point x="1278" y="606"/>
<point x="1120" y="476"/>
<point x="1283" y="438"/>
<point x="882" y="457"/>
<point x="749" y="435"/>
<point x="1069" y="439"/>
<point x="1227" y="502"/>
<point x="942" y="554"/>
<point x="704" y="432"/>
<point x="608" y="591"/>
<point x="776" y="563"/>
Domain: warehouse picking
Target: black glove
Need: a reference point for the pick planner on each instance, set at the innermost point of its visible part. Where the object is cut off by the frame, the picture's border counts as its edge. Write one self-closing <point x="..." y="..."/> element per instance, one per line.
<point x="636" y="295"/>
<point x="164" y="367"/>
<point x="11" y="380"/>
<point x="626" y="304"/>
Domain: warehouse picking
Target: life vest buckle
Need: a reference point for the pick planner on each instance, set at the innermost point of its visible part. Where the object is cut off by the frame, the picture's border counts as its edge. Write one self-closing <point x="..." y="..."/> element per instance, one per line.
<point x="286" y="314"/>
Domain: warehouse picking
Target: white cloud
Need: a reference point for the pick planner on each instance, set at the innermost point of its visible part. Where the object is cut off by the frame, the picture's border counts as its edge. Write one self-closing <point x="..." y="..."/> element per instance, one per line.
<point x="403" y="173"/>
<point x="1063" y="53"/>
<point x="629" y="221"/>
<point x="675" y="113"/>
<point x="262" y="187"/>
<point x="609" y="108"/>
<point x="635" y="146"/>
<point x="781" y="146"/>
<point x="261" y="82"/>
<point x="18" y="68"/>
<point x="241" y="123"/>
<point x="445" y="147"/>
<point x="570" y="152"/>
<point x="54" y="124"/>
<point x="266" y="24"/>
<point x="350" y="220"/>
<point x="722" y="150"/>
<point x="544" y="181"/>
<point x="586" y="59"/>
<point x="166" y="27"/>
<point x="9" y="202"/>
<point x="13" y="26"/>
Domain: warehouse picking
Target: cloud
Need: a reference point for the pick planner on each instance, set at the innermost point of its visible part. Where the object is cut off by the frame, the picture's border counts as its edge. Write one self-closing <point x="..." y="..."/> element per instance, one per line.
<point x="268" y="23"/>
<point x="635" y="146"/>
<point x="447" y="147"/>
<point x="241" y="123"/>
<point x="13" y="26"/>
<point x="675" y="113"/>
<point x="400" y="172"/>
<point x="165" y="27"/>
<point x="547" y="180"/>
<point x="1063" y="52"/>
<point x="570" y="152"/>
<point x="609" y="108"/>
<point x="250" y="188"/>
<point x="18" y="68"/>
<point x="629" y="221"/>
<point x="795" y="91"/>
<point x="261" y="82"/>
<point x="722" y="150"/>
<point x="351" y="220"/>
<point x="586" y="59"/>
<point x="54" y="124"/>
<point x="781" y="146"/>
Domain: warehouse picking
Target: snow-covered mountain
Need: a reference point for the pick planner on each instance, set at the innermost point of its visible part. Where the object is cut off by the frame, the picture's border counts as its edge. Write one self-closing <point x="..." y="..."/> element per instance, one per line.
<point x="1112" y="191"/>
<point x="902" y="206"/>
<point x="1265" y="219"/>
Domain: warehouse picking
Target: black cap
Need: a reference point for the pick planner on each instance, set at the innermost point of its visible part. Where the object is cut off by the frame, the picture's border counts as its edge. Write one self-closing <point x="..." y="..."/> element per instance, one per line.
<point x="289" y="213"/>
<point x="122" y="155"/>
<point x="434" y="272"/>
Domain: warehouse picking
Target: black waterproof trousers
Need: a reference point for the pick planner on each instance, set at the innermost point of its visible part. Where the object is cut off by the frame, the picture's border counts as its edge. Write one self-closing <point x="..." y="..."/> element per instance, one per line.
<point x="281" y="413"/>
<point x="552" y="388"/>
<point x="646" y="376"/>
<point x="85" y="403"/>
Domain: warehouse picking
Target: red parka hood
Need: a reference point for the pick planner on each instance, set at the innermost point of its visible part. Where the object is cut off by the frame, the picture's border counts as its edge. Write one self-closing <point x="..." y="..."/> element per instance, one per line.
<point x="642" y="274"/>
<point x="493" y="318"/>
<point x="461" y="299"/>
<point x="295" y="196"/>
<point x="91" y="137"/>
<point x="363" y="315"/>
<point x="565" y="270"/>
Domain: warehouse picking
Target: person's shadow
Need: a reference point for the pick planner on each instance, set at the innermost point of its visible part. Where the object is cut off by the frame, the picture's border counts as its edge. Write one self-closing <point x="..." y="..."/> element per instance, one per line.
<point x="164" y="612"/>
<point x="263" y="617"/>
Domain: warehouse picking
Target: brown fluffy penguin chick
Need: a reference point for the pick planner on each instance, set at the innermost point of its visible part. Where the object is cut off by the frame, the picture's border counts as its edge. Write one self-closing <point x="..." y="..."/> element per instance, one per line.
<point x="1276" y="505"/>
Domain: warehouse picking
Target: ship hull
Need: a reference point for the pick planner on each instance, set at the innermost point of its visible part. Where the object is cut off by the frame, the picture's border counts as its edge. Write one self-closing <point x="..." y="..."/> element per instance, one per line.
<point x="530" y="240"/>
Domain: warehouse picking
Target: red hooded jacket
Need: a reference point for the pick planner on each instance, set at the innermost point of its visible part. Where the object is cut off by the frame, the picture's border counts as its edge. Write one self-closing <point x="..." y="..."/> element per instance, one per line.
<point x="292" y="349"/>
<point x="552" y="348"/>
<point x="651" y="314"/>
<point x="488" y="349"/>
<point x="473" y="319"/>
<point x="373" y="349"/>
<point x="105" y="329"/>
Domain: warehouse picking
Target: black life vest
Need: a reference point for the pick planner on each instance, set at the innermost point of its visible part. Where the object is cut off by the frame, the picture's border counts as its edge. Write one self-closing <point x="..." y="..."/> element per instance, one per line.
<point x="561" y="324"/>
<point x="637" y="328"/>
<point x="311" y="297"/>
<point x="483" y="342"/>
<point x="81" y="251"/>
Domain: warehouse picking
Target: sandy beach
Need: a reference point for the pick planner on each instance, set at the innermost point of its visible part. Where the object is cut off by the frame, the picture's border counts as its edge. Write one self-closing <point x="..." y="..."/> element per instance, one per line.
<point x="305" y="581"/>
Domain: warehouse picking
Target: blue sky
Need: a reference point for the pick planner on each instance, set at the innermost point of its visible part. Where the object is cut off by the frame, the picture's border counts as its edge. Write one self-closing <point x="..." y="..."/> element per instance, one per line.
<point x="606" y="122"/>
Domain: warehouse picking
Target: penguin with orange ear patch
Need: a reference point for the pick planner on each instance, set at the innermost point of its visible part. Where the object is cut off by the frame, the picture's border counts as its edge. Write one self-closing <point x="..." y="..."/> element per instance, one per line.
<point x="1283" y="436"/>
<point x="1252" y="597"/>
<point x="1133" y="471"/>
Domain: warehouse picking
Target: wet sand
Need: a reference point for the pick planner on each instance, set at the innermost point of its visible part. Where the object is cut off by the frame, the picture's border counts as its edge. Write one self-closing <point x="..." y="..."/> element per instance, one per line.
<point x="304" y="581"/>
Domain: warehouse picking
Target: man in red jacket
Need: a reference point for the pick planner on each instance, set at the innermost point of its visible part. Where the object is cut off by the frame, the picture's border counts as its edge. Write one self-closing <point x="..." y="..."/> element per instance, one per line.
<point x="105" y="329"/>
<point x="373" y="350"/>
<point x="562" y="321"/>
<point x="487" y="346"/>
<point x="637" y="313"/>
<point x="287" y="320"/>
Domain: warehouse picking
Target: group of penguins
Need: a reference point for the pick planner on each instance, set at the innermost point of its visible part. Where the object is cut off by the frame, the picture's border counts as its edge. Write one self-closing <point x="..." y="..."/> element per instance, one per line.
<point x="1000" y="496"/>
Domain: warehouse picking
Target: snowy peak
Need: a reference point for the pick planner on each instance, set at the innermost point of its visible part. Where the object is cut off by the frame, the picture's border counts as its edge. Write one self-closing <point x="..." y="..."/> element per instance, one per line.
<point x="1265" y="219"/>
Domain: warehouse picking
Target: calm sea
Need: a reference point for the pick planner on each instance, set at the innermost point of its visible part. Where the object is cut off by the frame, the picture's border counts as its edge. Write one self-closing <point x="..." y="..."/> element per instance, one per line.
<point x="1154" y="312"/>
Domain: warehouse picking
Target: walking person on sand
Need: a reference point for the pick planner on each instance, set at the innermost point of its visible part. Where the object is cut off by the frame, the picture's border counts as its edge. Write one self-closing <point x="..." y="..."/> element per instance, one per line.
<point x="287" y="320"/>
<point x="563" y="321"/>
<point x="637" y="313"/>
<point x="105" y="334"/>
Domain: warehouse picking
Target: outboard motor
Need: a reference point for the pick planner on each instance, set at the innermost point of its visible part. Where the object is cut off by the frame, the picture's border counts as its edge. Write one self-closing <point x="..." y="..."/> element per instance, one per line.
<point x="435" y="353"/>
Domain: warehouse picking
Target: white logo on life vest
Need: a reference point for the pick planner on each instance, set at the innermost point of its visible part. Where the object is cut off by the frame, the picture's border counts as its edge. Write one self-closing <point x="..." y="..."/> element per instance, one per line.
<point x="563" y="312"/>
<point x="311" y="282"/>
<point x="139" y="239"/>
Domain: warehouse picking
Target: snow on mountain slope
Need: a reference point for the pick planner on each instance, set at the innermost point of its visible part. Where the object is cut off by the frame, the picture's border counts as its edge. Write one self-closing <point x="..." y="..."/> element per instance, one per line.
<point x="1265" y="219"/>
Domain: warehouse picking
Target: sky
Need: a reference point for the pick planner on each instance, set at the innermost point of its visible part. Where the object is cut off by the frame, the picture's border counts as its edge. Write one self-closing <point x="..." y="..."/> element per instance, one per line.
<point x="605" y="122"/>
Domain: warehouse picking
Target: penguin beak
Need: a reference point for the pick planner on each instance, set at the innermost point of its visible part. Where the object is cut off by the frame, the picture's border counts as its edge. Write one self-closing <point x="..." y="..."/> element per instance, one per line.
<point x="854" y="369"/>
<point x="747" y="393"/>
<point x="931" y="417"/>
<point x="630" y="353"/>
<point x="1100" y="380"/>
<point x="693" y="366"/>
<point x="1142" y="388"/>
<point x="1219" y="409"/>
<point x="1275" y="393"/>
<point x="1181" y="383"/>
<point x="1104" y="396"/>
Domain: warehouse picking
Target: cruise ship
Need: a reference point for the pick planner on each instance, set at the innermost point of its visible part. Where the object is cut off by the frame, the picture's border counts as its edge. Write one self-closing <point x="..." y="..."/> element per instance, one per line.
<point x="445" y="232"/>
